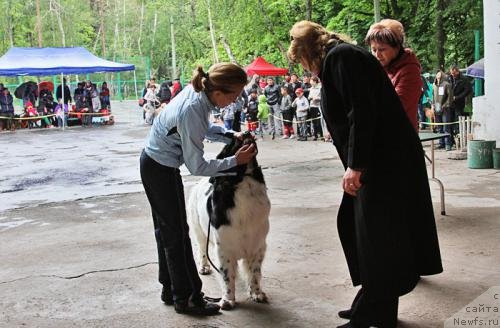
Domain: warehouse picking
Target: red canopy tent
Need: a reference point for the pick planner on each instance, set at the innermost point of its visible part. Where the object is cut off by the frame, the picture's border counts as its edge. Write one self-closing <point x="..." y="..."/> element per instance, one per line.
<point x="261" y="67"/>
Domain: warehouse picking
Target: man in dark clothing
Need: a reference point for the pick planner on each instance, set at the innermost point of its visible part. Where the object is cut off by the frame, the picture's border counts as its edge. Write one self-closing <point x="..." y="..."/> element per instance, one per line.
<point x="273" y="96"/>
<point x="461" y="90"/>
<point x="294" y="85"/>
<point x="67" y="93"/>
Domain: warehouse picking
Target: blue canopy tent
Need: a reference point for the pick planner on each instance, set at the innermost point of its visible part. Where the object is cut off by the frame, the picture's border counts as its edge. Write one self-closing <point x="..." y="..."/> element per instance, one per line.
<point x="55" y="61"/>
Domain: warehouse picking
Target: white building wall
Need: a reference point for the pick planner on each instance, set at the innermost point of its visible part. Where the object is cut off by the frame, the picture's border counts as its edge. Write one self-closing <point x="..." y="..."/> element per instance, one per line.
<point x="487" y="108"/>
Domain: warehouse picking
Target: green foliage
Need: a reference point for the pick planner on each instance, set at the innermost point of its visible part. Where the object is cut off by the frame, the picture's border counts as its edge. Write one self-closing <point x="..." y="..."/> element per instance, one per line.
<point x="250" y="27"/>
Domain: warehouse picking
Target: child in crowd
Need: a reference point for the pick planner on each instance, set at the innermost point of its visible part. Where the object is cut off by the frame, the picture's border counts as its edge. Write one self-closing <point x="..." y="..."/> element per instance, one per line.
<point x="151" y="103"/>
<point x="31" y="111"/>
<point x="251" y="111"/>
<point x="301" y="104"/>
<point x="287" y="113"/>
<point x="263" y="115"/>
<point x="104" y="95"/>
<point x="60" y="113"/>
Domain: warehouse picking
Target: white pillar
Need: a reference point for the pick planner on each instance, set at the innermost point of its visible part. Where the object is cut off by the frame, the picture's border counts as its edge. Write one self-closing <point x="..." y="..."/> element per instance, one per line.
<point x="487" y="108"/>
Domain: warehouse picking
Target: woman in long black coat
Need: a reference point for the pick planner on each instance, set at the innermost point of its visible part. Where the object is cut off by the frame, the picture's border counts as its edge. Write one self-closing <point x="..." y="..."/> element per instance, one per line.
<point x="386" y="221"/>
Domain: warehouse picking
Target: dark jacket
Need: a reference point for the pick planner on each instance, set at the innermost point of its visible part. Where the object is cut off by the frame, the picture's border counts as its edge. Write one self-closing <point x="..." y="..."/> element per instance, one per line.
<point x="6" y="104"/>
<point x="164" y="94"/>
<point x="388" y="230"/>
<point x="461" y="90"/>
<point x="252" y="109"/>
<point x="273" y="94"/>
<point x="67" y="94"/>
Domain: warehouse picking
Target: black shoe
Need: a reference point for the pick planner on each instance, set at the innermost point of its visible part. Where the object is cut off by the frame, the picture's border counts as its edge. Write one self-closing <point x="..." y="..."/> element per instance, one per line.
<point x="166" y="296"/>
<point x="345" y="314"/>
<point x="352" y="325"/>
<point x="273" y="135"/>
<point x="197" y="306"/>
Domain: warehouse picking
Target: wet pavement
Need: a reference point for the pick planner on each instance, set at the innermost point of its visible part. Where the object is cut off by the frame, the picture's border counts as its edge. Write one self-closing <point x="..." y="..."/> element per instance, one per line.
<point x="77" y="244"/>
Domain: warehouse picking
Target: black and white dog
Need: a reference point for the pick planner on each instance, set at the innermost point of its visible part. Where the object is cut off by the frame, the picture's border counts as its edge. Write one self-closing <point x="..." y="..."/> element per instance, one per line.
<point x="237" y="208"/>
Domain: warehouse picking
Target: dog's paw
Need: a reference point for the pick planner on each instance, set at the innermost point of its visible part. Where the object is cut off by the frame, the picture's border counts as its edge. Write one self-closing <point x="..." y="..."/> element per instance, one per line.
<point x="205" y="269"/>
<point x="259" y="297"/>
<point x="227" y="304"/>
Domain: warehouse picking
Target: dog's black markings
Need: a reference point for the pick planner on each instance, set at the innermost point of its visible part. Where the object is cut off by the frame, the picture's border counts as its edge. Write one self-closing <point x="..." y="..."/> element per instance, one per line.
<point x="224" y="187"/>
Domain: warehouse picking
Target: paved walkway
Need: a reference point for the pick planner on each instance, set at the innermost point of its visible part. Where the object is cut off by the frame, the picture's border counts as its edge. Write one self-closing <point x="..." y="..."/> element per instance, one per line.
<point x="77" y="244"/>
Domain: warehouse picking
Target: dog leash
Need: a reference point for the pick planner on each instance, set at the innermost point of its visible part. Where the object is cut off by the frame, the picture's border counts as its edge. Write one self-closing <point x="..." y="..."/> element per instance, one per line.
<point x="208" y="241"/>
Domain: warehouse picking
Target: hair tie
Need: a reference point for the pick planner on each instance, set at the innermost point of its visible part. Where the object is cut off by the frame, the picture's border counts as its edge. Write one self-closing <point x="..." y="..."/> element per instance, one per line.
<point x="205" y="75"/>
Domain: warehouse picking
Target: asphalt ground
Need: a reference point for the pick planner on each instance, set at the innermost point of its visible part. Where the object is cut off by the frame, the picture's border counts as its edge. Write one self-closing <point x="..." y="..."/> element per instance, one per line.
<point x="77" y="246"/>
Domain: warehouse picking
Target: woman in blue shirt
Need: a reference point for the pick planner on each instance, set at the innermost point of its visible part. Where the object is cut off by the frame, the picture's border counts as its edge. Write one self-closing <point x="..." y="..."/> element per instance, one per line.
<point x="176" y="138"/>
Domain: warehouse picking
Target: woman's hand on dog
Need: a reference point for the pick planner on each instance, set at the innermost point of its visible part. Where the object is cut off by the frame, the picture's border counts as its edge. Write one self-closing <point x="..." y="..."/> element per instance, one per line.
<point x="245" y="154"/>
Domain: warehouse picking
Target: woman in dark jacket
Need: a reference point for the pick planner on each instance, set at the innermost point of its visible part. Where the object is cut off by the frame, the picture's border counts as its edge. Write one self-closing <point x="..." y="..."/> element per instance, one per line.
<point x="6" y="110"/>
<point x="386" y="221"/>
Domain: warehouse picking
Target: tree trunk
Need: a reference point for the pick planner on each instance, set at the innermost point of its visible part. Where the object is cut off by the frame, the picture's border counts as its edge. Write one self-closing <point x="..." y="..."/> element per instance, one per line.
<point x="440" y="36"/>
<point x="212" y="33"/>
<point x="141" y="22"/>
<point x="174" y="58"/>
<point x="117" y="32"/>
<point x="38" y="23"/>
<point x="193" y="12"/>
<point x="96" y="41"/>
<point x="124" y="28"/>
<point x="376" y="10"/>
<point x="55" y="7"/>
<point x="155" y="24"/>
<point x="308" y="9"/>
<point x="10" y="30"/>
<point x="102" y="27"/>
<point x="228" y="50"/>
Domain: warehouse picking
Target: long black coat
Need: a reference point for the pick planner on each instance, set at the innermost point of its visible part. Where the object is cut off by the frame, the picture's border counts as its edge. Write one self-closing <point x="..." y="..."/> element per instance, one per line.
<point x="388" y="231"/>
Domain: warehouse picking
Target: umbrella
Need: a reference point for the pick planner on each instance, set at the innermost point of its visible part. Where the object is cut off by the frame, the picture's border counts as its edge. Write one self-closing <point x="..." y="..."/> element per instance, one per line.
<point x="476" y="70"/>
<point x="20" y="89"/>
<point x="48" y="85"/>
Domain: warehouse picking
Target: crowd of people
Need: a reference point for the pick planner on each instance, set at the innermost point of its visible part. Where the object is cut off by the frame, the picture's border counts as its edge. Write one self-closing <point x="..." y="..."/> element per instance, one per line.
<point x="41" y="109"/>
<point x="155" y="97"/>
<point x="268" y="106"/>
<point x="290" y="107"/>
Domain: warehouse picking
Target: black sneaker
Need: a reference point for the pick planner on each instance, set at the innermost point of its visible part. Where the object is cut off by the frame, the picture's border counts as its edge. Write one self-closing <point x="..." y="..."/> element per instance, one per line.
<point x="166" y="296"/>
<point x="197" y="306"/>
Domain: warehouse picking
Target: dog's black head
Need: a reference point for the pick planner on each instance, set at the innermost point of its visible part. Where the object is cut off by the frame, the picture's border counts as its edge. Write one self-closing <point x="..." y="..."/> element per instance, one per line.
<point x="231" y="149"/>
<point x="252" y="168"/>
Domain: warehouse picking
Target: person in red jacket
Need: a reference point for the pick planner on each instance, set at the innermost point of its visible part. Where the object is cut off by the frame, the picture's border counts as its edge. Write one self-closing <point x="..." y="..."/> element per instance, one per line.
<point x="386" y="40"/>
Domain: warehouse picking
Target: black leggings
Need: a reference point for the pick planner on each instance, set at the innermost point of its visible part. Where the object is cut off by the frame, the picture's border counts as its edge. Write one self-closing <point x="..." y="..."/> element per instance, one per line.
<point x="165" y="192"/>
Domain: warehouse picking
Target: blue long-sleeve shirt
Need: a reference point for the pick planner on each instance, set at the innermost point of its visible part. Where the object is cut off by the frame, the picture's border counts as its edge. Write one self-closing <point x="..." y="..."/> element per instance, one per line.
<point x="177" y="135"/>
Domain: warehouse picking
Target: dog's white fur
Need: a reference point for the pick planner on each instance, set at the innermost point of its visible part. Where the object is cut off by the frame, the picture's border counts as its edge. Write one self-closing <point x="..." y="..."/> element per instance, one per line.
<point x="244" y="239"/>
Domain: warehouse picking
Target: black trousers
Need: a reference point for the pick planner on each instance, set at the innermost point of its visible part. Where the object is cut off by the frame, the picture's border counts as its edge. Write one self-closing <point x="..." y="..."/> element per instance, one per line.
<point x="368" y="311"/>
<point x="315" y="115"/>
<point x="165" y="192"/>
